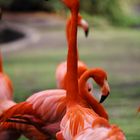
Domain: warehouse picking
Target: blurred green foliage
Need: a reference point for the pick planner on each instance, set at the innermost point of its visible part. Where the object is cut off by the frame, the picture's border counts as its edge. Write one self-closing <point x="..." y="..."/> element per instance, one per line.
<point x="117" y="12"/>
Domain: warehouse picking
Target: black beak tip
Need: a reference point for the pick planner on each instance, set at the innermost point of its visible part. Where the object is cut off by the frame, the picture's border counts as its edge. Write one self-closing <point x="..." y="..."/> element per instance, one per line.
<point x="103" y="97"/>
<point x="87" y="32"/>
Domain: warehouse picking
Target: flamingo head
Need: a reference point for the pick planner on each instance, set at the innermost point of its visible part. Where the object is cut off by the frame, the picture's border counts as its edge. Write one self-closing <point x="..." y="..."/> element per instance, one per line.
<point x="100" y="78"/>
<point x="82" y="23"/>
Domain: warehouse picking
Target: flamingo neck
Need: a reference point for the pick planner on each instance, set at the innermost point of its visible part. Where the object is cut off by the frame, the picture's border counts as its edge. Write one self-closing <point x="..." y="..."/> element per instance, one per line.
<point x="72" y="75"/>
<point x="68" y="31"/>
<point x="98" y="108"/>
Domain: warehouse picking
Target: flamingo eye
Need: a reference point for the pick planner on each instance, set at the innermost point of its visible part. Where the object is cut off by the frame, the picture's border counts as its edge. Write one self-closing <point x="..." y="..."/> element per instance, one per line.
<point x="89" y="89"/>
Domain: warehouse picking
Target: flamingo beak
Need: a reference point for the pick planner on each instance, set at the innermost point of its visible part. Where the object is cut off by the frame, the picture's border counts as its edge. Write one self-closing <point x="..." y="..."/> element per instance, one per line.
<point x="85" y="26"/>
<point x="103" y="97"/>
<point x="105" y="91"/>
<point x="87" y="32"/>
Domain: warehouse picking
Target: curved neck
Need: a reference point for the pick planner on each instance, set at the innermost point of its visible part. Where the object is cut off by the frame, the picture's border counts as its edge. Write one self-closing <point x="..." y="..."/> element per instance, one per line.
<point x="96" y="106"/>
<point x="72" y="75"/>
<point x="1" y="67"/>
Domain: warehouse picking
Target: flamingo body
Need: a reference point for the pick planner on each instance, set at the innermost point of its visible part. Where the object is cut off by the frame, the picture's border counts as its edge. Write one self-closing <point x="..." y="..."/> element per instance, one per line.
<point x="101" y="133"/>
<point x="6" y="101"/>
<point x="6" y="90"/>
<point x="50" y="104"/>
<point x="76" y="119"/>
<point x="62" y="70"/>
<point x="74" y="123"/>
<point x="6" y="93"/>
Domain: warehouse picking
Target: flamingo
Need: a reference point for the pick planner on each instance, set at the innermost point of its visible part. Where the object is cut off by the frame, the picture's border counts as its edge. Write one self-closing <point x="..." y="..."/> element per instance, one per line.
<point x="32" y="133"/>
<point x="62" y="67"/>
<point x="6" y="87"/>
<point x="6" y="98"/>
<point x="6" y="90"/>
<point x="77" y="118"/>
<point x="100" y="129"/>
<point x="6" y="101"/>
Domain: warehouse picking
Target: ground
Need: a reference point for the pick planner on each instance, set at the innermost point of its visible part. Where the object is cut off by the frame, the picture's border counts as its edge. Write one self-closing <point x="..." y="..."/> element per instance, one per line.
<point x="32" y="66"/>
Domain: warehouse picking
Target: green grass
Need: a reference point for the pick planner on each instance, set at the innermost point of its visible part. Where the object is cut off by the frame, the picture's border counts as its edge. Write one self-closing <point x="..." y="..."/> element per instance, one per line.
<point x="115" y="50"/>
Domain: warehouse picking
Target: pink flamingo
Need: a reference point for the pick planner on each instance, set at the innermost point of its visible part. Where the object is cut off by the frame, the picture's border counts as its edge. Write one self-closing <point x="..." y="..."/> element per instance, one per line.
<point x="6" y="98"/>
<point x="78" y="118"/>
<point x="62" y="67"/>
<point x="6" y="90"/>
<point x="6" y="87"/>
<point x="6" y="101"/>
<point x="101" y="130"/>
<point x="31" y="133"/>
